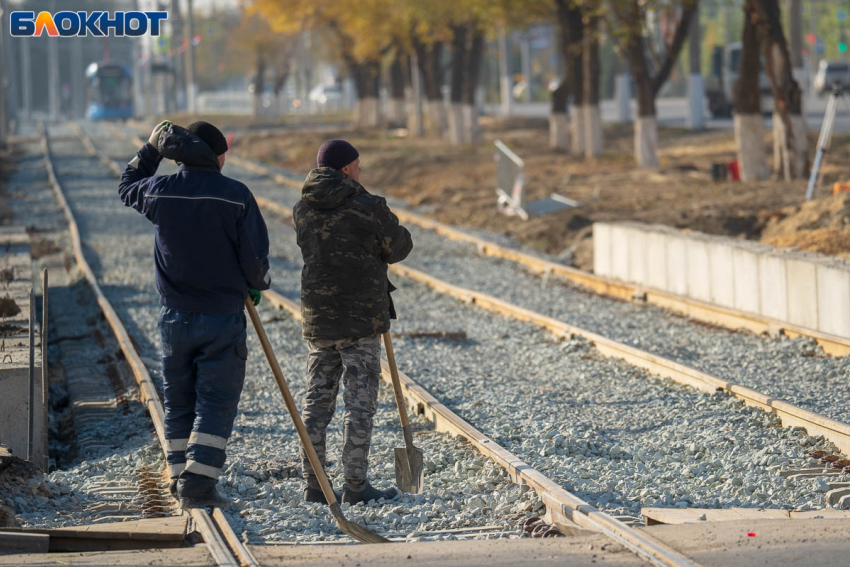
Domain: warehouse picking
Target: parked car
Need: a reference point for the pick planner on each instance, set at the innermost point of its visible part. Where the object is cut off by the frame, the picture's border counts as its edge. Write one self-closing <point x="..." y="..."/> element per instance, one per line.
<point x="830" y="74"/>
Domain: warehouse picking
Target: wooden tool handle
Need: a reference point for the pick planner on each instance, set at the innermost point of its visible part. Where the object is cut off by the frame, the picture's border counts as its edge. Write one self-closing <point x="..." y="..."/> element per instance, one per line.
<point x="399" y="398"/>
<point x="290" y="405"/>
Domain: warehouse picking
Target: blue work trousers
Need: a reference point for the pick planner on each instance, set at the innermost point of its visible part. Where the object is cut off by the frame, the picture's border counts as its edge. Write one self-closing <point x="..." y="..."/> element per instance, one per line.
<point x="203" y="369"/>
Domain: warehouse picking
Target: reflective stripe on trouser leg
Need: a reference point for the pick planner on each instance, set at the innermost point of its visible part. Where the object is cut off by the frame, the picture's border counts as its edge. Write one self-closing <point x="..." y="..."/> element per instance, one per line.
<point x="207" y="452"/>
<point x="176" y="456"/>
<point x="178" y="374"/>
<point x="361" y="361"/>
<point x="324" y="367"/>
<point x="219" y="376"/>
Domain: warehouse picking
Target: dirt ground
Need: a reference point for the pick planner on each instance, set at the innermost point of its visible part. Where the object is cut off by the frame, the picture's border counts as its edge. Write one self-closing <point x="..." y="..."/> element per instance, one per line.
<point x="457" y="184"/>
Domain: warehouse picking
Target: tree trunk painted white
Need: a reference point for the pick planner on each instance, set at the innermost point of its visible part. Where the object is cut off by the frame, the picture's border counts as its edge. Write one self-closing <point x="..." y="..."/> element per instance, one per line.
<point x="696" y="103"/>
<point x="622" y="94"/>
<point x="369" y="115"/>
<point x="790" y="159"/>
<point x="472" y="132"/>
<point x="593" y="140"/>
<point x="397" y="112"/>
<point x="559" y="131"/>
<point x="358" y="112"/>
<point x="577" y="132"/>
<point x="456" y="130"/>
<point x="646" y="141"/>
<point x="749" y="139"/>
<point x="437" y="117"/>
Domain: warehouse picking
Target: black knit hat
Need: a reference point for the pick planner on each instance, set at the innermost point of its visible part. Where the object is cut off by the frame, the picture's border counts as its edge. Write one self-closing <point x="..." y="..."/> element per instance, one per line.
<point x="211" y="135"/>
<point x="336" y="154"/>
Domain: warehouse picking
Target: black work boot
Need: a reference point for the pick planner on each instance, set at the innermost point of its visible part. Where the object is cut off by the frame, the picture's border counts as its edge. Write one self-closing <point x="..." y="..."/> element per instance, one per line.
<point x="368" y="493"/>
<point x="172" y="488"/>
<point x="315" y="494"/>
<point x="198" y="491"/>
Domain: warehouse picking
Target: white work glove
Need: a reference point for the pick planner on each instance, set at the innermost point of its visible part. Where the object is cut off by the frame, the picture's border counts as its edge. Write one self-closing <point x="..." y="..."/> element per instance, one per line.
<point x="154" y="139"/>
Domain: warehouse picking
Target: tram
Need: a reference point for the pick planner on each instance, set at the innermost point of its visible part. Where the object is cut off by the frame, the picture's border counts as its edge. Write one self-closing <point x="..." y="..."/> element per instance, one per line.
<point x="109" y="91"/>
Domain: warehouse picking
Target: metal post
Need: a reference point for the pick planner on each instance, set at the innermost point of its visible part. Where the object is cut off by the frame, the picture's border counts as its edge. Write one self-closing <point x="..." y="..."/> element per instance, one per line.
<point x="417" y="128"/>
<point x="53" y="71"/>
<point x="26" y="78"/>
<point x="525" y="55"/>
<point x="696" y="91"/>
<point x="45" y="383"/>
<point x="504" y="75"/>
<point x="190" y="61"/>
<point x="4" y="117"/>
<point x="176" y="45"/>
<point x="77" y="73"/>
<point x="823" y="141"/>
<point x="31" y="399"/>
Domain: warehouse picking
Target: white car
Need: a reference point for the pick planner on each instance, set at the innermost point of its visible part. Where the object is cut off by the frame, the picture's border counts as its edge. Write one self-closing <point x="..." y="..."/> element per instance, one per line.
<point x="830" y="74"/>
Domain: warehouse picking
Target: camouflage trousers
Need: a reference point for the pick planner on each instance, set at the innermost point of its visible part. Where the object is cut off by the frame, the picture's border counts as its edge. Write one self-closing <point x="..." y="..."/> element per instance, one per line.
<point x="357" y="362"/>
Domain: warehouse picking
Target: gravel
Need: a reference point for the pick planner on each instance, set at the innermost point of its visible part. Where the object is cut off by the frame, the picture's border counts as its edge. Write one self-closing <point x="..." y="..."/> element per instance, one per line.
<point x="609" y="432"/>
<point x="794" y="370"/>
<point x="465" y="490"/>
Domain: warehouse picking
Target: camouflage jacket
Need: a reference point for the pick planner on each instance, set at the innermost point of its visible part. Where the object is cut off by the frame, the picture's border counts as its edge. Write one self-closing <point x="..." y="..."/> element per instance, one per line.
<point x="347" y="237"/>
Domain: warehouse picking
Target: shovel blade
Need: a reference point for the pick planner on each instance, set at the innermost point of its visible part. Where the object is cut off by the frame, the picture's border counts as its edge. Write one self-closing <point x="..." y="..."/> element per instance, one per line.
<point x="409" y="469"/>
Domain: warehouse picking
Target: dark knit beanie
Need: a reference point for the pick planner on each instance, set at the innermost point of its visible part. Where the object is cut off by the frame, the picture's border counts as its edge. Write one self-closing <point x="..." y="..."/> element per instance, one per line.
<point x="336" y="154"/>
<point x="211" y="135"/>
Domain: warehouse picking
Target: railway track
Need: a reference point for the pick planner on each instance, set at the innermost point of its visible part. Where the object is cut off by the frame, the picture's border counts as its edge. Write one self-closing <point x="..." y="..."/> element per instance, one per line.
<point x="223" y="544"/>
<point x="563" y="508"/>
<point x="447" y="420"/>
<point x="790" y="414"/>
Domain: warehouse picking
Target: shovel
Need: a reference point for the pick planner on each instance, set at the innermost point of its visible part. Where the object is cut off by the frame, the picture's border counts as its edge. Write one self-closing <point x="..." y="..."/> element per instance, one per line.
<point x="356" y="531"/>
<point x="409" y="460"/>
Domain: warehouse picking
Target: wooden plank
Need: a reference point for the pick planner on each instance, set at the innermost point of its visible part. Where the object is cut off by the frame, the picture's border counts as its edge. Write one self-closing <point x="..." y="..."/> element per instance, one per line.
<point x="654" y="516"/>
<point x="826" y="514"/>
<point x="22" y="542"/>
<point x="172" y="528"/>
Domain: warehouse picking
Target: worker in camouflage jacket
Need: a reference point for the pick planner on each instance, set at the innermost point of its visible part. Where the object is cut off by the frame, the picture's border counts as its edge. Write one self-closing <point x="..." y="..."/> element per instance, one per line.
<point x="347" y="237"/>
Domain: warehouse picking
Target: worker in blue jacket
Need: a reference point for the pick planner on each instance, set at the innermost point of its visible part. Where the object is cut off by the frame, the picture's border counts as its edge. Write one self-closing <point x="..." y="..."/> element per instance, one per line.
<point x="211" y="253"/>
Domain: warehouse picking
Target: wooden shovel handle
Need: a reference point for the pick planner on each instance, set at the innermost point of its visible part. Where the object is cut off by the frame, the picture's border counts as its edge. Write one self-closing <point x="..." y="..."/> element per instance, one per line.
<point x="318" y="470"/>
<point x="399" y="398"/>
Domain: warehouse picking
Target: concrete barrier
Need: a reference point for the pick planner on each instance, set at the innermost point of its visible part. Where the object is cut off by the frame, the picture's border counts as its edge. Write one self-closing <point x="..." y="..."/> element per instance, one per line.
<point x="803" y="289"/>
<point x="14" y="368"/>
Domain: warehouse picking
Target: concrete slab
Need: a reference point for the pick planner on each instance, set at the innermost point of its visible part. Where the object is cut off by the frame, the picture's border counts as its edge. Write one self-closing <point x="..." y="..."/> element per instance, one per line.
<point x="656" y="260"/>
<point x="722" y="272"/>
<point x="637" y="236"/>
<point x="802" y="290"/>
<point x="773" y="291"/>
<point x="699" y="268"/>
<point x="620" y="252"/>
<point x="833" y="299"/>
<point x="677" y="264"/>
<point x="551" y="552"/>
<point x="602" y="249"/>
<point x="813" y="543"/>
<point x="745" y="264"/>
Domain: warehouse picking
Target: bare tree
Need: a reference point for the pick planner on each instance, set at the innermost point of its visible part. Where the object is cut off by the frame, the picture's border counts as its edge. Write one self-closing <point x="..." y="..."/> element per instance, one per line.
<point x="749" y="126"/>
<point x="629" y="30"/>
<point x="790" y="145"/>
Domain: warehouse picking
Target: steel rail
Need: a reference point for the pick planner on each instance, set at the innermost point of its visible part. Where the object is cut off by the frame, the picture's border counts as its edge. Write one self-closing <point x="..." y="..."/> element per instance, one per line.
<point x="789" y="414"/>
<point x="726" y="317"/>
<point x="216" y="533"/>
<point x="566" y="509"/>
